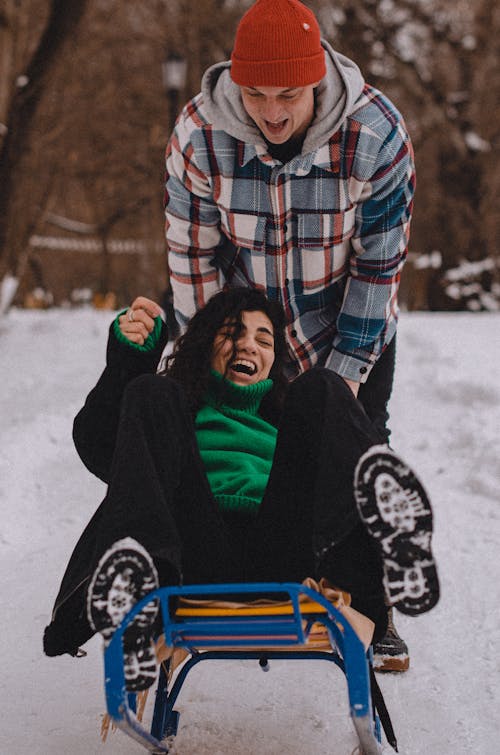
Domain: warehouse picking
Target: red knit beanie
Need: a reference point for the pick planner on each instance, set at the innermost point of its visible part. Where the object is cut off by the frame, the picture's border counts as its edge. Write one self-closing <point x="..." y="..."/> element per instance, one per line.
<point x="278" y="44"/>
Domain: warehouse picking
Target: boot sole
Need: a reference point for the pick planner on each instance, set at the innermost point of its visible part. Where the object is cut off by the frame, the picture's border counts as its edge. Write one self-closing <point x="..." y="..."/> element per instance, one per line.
<point x="124" y="575"/>
<point x="391" y="663"/>
<point x="396" y="511"/>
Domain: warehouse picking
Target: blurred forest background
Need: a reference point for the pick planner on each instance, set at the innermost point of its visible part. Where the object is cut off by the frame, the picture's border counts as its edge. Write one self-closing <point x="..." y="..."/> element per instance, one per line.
<point x="89" y="90"/>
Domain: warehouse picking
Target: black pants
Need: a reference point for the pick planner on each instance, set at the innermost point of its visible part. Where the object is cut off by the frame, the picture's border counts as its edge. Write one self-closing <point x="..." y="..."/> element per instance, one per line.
<point x="376" y="392"/>
<point x="307" y="524"/>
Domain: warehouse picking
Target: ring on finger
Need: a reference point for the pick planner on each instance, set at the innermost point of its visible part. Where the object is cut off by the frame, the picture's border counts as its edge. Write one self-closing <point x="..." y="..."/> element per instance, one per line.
<point x="130" y="315"/>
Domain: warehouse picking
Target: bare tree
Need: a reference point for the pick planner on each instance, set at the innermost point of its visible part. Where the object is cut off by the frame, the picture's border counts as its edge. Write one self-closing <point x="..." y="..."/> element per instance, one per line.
<point x="439" y="62"/>
<point x="84" y="122"/>
<point x="64" y="16"/>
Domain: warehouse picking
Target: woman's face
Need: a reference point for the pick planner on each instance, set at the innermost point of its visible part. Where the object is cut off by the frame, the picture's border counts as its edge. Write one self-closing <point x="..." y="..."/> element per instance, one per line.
<point x="254" y="349"/>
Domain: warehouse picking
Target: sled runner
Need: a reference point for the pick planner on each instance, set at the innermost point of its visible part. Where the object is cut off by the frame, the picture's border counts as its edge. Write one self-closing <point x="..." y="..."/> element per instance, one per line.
<point x="269" y="621"/>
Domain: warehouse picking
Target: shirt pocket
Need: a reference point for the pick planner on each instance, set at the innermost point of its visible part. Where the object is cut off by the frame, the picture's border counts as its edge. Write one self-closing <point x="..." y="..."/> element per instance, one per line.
<point x="323" y="242"/>
<point x="244" y="229"/>
<point x="242" y="256"/>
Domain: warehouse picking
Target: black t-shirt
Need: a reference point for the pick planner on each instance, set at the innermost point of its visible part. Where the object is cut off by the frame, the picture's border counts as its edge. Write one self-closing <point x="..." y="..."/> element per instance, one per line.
<point x="286" y="151"/>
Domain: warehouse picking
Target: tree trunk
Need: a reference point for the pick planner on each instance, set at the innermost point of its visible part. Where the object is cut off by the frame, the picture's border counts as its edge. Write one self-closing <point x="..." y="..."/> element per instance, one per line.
<point x="63" y="21"/>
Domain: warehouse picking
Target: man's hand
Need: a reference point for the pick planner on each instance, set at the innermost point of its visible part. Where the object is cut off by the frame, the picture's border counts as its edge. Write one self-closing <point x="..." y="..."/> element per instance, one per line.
<point x="353" y="385"/>
<point x="138" y="321"/>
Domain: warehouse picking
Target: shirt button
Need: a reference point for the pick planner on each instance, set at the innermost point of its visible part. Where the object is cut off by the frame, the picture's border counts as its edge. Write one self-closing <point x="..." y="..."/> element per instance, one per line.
<point x="363" y="370"/>
<point x="285" y="228"/>
<point x="287" y="281"/>
<point x="293" y="333"/>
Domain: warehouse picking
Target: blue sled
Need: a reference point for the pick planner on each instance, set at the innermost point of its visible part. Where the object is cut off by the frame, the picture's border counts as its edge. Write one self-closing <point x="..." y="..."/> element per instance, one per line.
<point x="227" y="637"/>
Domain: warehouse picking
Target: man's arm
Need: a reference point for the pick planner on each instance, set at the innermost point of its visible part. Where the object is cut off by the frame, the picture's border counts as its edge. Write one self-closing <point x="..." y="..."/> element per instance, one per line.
<point x="192" y="227"/>
<point x="379" y="246"/>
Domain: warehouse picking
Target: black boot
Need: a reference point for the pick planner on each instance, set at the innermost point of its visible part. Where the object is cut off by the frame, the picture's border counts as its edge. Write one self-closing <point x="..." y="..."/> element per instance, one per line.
<point x="124" y="575"/>
<point x="390" y="653"/>
<point x="355" y="566"/>
<point x="397" y="514"/>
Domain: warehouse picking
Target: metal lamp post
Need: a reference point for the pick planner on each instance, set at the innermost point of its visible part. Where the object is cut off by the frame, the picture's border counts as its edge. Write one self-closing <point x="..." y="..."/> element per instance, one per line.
<point x="174" y="75"/>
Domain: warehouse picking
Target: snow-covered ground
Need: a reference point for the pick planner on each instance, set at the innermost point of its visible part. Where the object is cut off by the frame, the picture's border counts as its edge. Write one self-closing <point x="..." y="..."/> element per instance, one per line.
<point x="446" y="421"/>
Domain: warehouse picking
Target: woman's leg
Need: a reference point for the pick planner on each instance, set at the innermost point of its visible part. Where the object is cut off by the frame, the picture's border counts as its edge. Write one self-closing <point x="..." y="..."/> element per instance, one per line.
<point x="160" y="523"/>
<point x="309" y="499"/>
<point x="158" y="491"/>
<point x="342" y="506"/>
<point x="308" y="522"/>
<point x="159" y="496"/>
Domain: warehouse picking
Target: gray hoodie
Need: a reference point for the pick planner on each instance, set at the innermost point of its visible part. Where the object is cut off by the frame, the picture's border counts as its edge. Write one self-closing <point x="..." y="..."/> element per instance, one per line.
<point x="336" y="95"/>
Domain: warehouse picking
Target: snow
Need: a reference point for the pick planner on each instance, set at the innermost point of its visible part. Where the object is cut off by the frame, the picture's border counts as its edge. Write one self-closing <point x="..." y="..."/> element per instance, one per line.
<point x="469" y="269"/>
<point x="433" y="260"/>
<point x="445" y="418"/>
<point x="476" y="143"/>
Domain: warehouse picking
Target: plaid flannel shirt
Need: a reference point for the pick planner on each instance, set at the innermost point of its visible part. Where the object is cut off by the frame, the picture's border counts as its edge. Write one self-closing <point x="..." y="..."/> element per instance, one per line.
<point x="326" y="234"/>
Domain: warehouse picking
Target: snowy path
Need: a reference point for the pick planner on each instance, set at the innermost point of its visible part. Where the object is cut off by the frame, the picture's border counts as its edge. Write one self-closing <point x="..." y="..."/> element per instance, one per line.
<point x="446" y="420"/>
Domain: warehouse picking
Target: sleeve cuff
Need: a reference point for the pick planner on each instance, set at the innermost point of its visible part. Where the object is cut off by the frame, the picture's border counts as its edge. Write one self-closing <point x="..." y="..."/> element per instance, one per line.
<point x="348" y="366"/>
<point x="149" y="344"/>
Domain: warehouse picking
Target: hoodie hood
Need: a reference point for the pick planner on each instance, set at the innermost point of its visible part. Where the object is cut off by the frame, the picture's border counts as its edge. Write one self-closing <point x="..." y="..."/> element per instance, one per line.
<point x="336" y="94"/>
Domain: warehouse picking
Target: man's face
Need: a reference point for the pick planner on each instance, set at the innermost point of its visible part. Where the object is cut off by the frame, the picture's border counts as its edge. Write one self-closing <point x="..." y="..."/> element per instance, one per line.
<point x="281" y="114"/>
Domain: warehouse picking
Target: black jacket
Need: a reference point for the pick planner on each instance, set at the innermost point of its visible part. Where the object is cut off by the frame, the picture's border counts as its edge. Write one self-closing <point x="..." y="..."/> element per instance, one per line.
<point x="94" y="434"/>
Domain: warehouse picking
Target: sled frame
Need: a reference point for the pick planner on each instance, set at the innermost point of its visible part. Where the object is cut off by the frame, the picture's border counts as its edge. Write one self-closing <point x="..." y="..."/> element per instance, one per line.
<point x="221" y="635"/>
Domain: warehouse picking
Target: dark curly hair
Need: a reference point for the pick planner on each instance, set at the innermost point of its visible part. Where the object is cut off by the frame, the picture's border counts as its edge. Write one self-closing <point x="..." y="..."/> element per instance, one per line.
<point x="190" y="361"/>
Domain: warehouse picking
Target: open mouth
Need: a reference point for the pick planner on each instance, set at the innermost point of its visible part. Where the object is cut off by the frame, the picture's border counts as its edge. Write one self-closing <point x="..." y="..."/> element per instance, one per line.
<point x="276" y="128"/>
<point x="244" y="367"/>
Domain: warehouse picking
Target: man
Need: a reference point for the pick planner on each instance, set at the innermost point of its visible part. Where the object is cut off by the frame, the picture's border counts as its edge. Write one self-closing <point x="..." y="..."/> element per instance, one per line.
<point x="290" y="173"/>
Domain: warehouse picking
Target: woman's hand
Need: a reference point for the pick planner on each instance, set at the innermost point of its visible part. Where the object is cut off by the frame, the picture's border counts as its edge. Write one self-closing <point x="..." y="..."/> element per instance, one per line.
<point x="138" y="321"/>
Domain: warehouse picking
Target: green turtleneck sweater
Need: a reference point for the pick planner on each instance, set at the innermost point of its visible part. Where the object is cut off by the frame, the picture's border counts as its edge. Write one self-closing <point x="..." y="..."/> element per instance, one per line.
<point x="236" y="445"/>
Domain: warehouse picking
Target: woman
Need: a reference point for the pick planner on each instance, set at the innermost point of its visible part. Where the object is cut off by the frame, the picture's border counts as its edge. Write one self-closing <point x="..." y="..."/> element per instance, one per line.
<point x="217" y="471"/>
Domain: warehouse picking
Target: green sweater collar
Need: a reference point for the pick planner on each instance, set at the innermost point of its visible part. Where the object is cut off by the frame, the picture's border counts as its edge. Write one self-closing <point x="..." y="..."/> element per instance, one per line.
<point x="224" y="393"/>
